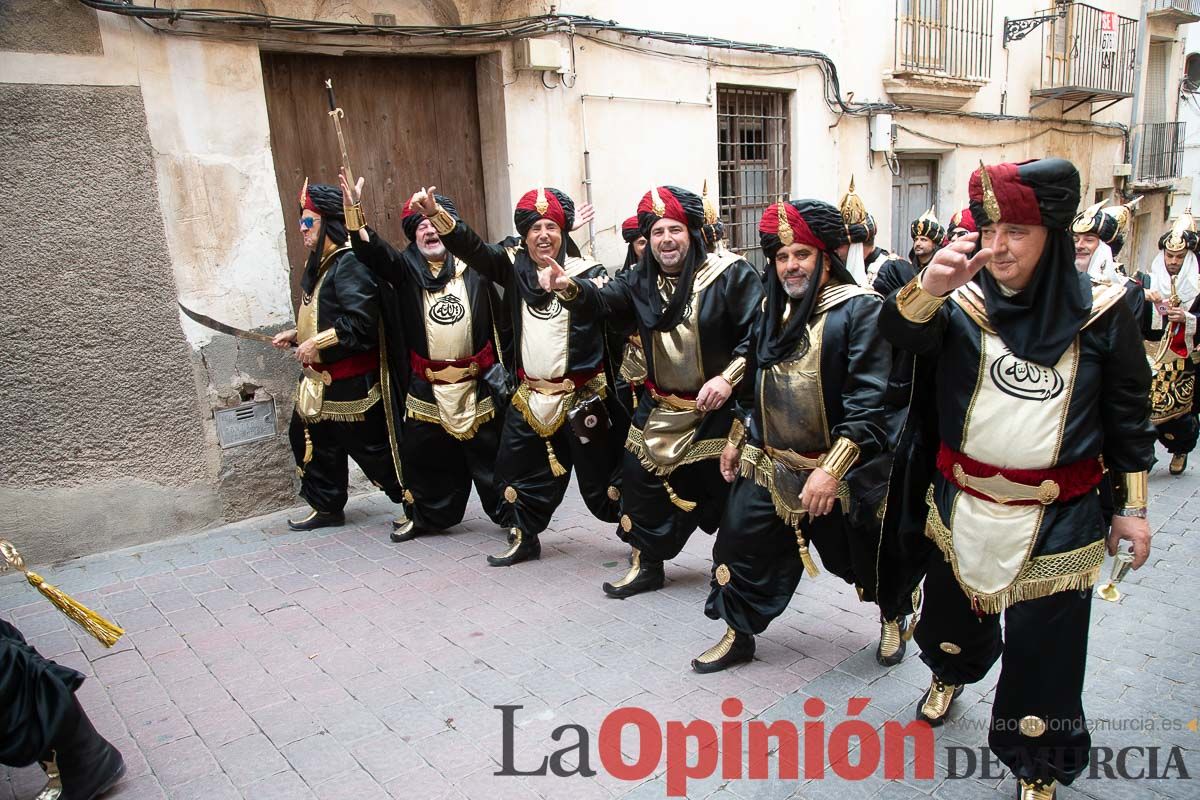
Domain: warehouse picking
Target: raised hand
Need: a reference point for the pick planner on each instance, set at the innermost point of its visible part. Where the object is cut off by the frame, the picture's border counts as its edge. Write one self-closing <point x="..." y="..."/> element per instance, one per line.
<point x="953" y="266"/>
<point x="583" y="215"/>
<point x="552" y="277"/>
<point x="352" y="196"/>
<point x="425" y="202"/>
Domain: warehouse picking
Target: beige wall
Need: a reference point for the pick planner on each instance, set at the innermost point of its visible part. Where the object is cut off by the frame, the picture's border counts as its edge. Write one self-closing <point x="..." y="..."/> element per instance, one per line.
<point x="194" y="114"/>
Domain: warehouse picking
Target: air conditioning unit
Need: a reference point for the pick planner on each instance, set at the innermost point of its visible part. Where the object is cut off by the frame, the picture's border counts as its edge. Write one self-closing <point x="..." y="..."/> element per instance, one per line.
<point x="542" y="55"/>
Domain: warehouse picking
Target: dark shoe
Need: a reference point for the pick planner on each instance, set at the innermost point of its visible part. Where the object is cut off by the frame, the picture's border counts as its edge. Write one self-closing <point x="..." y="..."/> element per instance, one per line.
<point x="407" y="530"/>
<point x="88" y="765"/>
<point x="735" y="647"/>
<point x="1178" y="463"/>
<point x="523" y="548"/>
<point x="935" y="703"/>
<point x="892" y="642"/>
<point x="1035" y="790"/>
<point x="643" y="576"/>
<point x="318" y="519"/>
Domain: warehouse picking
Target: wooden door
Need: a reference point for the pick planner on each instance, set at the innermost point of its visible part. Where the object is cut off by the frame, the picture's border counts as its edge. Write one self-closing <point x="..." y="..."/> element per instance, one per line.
<point x="410" y="122"/>
<point x="914" y="190"/>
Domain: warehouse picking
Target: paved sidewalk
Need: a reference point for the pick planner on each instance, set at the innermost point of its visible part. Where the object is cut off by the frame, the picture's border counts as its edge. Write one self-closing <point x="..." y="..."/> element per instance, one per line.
<point x="265" y="664"/>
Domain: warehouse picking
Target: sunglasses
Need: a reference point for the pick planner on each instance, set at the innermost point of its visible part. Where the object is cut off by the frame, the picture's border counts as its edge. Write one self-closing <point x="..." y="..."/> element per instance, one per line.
<point x="306" y="223"/>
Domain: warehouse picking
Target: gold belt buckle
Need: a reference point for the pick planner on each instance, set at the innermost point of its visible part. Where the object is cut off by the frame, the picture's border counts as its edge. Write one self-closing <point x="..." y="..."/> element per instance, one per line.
<point x="565" y="386"/>
<point x="452" y="374"/>
<point x="1000" y="489"/>
<point x="319" y="376"/>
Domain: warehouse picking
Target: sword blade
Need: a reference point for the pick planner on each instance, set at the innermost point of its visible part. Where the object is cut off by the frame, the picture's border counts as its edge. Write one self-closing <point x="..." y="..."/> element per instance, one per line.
<point x="221" y="327"/>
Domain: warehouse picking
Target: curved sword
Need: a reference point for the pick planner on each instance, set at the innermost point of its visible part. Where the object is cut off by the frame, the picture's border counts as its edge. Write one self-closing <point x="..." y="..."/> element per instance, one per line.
<point x="221" y="327"/>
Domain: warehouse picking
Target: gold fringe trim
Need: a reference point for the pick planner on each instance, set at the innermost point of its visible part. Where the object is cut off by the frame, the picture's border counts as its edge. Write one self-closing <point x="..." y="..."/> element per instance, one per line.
<point x="485" y="411"/>
<point x="349" y="410"/>
<point x="697" y="451"/>
<point x="757" y="465"/>
<point x="1040" y="576"/>
<point x="520" y="401"/>
<point x="556" y="467"/>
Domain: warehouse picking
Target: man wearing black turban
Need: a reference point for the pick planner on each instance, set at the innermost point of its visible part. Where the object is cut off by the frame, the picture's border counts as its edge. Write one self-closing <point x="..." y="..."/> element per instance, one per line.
<point x="695" y="313"/>
<point x="344" y="406"/>
<point x="1038" y="394"/>
<point x="451" y="432"/>
<point x="560" y="365"/>
<point x="806" y="457"/>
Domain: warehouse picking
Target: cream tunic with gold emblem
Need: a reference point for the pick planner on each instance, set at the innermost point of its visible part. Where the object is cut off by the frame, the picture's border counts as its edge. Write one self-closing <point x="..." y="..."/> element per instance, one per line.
<point x="1014" y="401"/>
<point x="448" y="333"/>
<point x="545" y="345"/>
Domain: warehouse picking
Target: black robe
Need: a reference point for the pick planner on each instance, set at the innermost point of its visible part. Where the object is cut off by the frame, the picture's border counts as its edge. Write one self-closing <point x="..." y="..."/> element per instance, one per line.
<point x="36" y="696"/>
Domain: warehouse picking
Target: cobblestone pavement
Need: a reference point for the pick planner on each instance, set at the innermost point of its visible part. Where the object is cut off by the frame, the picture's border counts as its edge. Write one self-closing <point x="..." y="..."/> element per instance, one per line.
<point x="265" y="664"/>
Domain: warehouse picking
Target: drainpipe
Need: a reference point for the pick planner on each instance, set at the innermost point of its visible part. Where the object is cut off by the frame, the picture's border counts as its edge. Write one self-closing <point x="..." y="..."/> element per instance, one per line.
<point x="1143" y="46"/>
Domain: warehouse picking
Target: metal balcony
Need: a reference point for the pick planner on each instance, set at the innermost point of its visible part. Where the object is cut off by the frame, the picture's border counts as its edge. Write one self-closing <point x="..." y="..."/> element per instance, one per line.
<point x="1160" y="157"/>
<point x="1174" y="12"/>
<point x="1077" y="68"/>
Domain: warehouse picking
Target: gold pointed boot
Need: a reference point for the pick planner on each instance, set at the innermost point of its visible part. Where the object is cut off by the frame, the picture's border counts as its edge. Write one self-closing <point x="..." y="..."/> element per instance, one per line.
<point x="935" y="703"/>
<point x="734" y="647"/>
<point x="892" y="641"/>
<point x="1035" y="790"/>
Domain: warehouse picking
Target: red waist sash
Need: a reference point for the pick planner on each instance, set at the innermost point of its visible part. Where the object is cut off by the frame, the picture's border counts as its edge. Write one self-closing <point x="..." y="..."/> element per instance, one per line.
<point x="423" y="367"/>
<point x="1072" y="480"/>
<point x="350" y="366"/>
<point x="653" y="387"/>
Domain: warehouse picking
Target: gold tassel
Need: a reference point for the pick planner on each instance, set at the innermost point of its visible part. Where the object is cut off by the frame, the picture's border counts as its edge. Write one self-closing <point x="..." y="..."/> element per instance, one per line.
<point x="676" y="500"/>
<point x="556" y="469"/>
<point x="917" y="597"/>
<point x="810" y="566"/>
<point x="107" y="633"/>
<point x="308" y="449"/>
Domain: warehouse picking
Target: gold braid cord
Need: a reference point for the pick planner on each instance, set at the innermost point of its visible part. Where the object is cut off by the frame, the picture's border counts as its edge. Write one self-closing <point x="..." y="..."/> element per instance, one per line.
<point x="757" y="465"/>
<point x="350" y="410"/>
<point x="520" y="401"/>
<point x="701" y="450"/>
<point x="485" y="410"/>
<point x="1041" y="576"/>
<point x="107" y="633"/>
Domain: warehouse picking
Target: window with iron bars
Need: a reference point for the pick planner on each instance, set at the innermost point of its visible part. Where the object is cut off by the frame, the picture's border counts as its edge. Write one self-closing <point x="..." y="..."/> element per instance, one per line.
<point x="753" y="162"/>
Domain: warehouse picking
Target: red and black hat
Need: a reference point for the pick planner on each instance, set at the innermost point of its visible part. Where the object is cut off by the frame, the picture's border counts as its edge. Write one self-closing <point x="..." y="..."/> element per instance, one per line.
<point x="323" y="199"/>
<point x="961" y="221"/>
<point x="811" y="222"/>
<point x="411" y="218"/>
<point x="1041" y="192"/>
<point x="670" y="202"/>
<point x="631" y="231"/>
<point x="544" y="203"/>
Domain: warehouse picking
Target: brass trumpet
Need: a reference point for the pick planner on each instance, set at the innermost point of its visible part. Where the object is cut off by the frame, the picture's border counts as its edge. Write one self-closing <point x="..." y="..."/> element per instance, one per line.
<point x="1122" y="562"/>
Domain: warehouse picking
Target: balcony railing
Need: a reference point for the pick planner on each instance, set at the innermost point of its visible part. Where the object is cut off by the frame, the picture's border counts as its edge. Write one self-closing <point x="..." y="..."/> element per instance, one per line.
<point x="1076" y="63"/>
<point x="944" y="38"/>
<point x="1177" y="12"/>
<point x="1160" y="157"/>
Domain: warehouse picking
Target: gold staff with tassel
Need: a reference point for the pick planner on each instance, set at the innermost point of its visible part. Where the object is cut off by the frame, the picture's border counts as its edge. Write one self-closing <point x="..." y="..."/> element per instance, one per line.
<point x="107" y="633"/>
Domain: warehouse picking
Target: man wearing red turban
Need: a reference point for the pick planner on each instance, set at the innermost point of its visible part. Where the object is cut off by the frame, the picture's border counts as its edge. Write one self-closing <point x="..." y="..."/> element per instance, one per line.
<point x="1037" y="395"/>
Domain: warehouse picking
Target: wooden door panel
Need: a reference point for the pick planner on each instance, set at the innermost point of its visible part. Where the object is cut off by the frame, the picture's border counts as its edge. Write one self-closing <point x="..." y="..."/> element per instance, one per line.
<point x="410" y="122"/>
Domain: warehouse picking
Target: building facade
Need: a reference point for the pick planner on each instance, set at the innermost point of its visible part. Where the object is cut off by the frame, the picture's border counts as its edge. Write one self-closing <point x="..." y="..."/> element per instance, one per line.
<point x="155" y="156"/>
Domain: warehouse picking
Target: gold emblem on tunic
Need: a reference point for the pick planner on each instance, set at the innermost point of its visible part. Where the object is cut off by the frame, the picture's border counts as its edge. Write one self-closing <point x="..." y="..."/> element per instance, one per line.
<point x="510" y="494"/>
<point x="614" y="493"/>
<point x="722" y="575"/>
<point x="626" y="523"/>
<point x="951" y="648"/>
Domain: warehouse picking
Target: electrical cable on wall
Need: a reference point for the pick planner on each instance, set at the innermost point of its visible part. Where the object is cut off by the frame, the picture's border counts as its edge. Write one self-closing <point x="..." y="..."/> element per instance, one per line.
<point x="573" y="25"/>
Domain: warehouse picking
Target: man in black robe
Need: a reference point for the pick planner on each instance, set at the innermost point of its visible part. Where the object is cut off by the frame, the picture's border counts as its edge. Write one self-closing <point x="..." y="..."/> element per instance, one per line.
<point x="41" y="720"/>
<point x="345" y="400"/>
<point x="1038" y="385"/>
<point x="803" y="460"/>
<point x="1174" y="303"/>
<point x="1099" y="235"/>
<point x="695" y="313"/>
<point x="560" y="361"/>
<point x="451" y="432"/>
